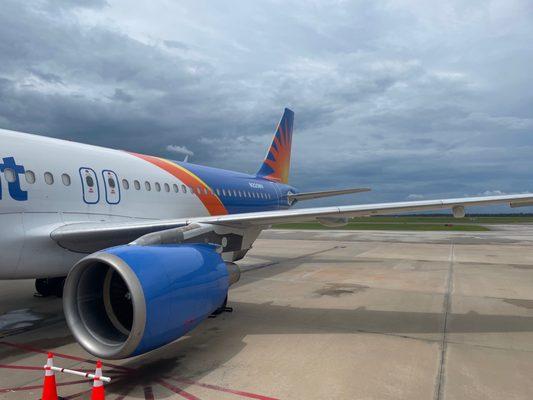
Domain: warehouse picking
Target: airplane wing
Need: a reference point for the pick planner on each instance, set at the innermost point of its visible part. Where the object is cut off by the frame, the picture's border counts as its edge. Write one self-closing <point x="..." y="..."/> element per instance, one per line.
<point x="104" y="234"/>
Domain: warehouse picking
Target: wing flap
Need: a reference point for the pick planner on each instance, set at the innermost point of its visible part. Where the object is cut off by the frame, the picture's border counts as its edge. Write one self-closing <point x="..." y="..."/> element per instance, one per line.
<point x="88" y="237"/>
<point x="326" y="193"/>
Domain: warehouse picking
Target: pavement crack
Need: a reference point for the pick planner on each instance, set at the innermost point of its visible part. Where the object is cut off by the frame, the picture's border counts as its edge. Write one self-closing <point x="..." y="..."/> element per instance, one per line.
<point x="446" y="306"/>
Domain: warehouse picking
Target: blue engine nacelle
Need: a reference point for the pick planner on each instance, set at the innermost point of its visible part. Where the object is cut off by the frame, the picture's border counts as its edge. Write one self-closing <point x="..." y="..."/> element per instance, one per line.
<point x="127" y="300"/>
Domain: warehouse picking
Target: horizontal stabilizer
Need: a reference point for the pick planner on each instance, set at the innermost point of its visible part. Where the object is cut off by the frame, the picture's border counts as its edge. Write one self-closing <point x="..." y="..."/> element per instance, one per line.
<point x="326" y="193"/>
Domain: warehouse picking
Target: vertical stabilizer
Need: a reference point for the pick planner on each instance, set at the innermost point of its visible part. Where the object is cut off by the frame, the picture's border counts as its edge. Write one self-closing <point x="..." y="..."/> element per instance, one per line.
<point x="277" y="163"/>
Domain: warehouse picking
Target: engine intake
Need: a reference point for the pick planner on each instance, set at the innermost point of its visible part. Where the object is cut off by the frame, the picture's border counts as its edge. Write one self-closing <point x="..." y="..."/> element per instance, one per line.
<point x="128" y="300"/>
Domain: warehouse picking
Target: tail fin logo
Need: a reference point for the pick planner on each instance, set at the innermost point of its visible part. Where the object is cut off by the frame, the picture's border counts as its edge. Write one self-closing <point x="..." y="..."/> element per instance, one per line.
<point x="276" y="165"/>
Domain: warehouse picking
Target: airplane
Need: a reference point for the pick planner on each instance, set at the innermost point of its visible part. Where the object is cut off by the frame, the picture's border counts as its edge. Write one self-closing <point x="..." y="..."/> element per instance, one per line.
<point x="148" y="245"/>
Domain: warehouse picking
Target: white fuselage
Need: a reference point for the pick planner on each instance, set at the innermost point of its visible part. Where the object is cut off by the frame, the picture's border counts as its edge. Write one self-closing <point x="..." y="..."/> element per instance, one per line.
<point x="60" y="194"/>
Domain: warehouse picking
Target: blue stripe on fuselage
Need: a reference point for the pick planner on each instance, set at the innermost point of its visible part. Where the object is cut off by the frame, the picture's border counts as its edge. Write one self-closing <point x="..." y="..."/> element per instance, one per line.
<point x="231" y="181"/>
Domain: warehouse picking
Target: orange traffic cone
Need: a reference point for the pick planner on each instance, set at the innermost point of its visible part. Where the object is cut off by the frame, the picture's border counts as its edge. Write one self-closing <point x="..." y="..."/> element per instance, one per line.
<point x="49" y="386"/>
<point x="98" y="385"/>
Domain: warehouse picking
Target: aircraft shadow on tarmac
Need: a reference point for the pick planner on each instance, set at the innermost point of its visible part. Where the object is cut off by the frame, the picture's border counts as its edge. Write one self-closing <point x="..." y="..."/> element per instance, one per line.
<point x="215" y="342"/>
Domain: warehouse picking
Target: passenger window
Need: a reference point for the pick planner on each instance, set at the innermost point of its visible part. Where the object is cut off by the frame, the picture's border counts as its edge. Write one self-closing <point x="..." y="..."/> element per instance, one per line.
<point x="125" y="184"/>
<point x="30" y="176"/>
<point x="218" y="192"/>
<point x="49" y="178"/>
<point x="66" y="179"/>
<point x="137" y="185"/>
<point x="199" y="190"/>
<point x="88" y="179"/>
<point x="147" y="186"/>
<point x="10" y="175"/>
<point x="167" y="188"/>
<point x="191" y="189"/>
<point x="223" y="192"/>
<point x="176" y="188"/>
<point x="206" y="191"/>
<point x="157" y="187"/>
<point x="184" y="188"/>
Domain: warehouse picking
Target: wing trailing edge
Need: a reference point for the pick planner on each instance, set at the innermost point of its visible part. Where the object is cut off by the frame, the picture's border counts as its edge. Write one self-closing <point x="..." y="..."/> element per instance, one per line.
<point x="292" y="197"/>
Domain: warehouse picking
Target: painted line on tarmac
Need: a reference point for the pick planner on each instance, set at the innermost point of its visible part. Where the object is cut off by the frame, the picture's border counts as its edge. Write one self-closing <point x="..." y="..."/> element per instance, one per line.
<point x="177" y="390"/>
<point x="22" y="388"/>
<point x="25" y="367"/>
<point x="148" y="393"/>
<point x="224" y="390"/>
<point x="123" y="373"/>
<point x="60" y="355"/>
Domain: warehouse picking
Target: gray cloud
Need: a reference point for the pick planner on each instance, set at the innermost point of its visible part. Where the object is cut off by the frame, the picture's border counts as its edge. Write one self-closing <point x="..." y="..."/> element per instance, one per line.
<point x="121" y="95"/>
<point x="406" y="97"/>
<point x="72" y="4"/>
<point x="173" y="148"/>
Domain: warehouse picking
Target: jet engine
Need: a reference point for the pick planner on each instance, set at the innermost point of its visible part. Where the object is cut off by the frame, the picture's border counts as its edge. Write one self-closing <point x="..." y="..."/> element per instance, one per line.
<point x="127" y="300"/>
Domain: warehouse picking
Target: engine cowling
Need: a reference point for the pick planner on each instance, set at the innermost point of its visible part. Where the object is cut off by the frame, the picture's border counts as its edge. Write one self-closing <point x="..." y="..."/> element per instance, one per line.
<point x="127" y="300"/>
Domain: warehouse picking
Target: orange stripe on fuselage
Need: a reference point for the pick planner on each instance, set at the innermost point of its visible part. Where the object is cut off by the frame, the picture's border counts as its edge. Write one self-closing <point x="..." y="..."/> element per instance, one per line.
<point x="210" y="200"/>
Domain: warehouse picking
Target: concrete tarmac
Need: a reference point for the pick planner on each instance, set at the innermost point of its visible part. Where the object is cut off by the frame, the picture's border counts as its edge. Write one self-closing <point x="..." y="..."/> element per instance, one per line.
<point x="322" y="315"/>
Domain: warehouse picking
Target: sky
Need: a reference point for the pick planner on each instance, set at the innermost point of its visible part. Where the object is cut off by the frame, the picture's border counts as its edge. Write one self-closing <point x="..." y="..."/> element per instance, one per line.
<point x="414" y="99"/>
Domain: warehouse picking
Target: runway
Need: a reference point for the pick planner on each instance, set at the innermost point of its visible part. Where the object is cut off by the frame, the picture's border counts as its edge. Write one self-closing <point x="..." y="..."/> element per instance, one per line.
<point x="322" y="315"/>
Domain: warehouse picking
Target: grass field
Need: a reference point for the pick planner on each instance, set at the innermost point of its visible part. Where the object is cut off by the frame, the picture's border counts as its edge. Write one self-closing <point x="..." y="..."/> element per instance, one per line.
<point x="448" y="219"/>
<point x="419" y="223"/>
<point x="356" y="226"/>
